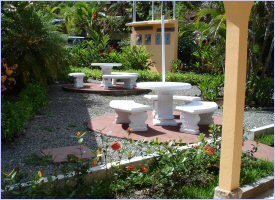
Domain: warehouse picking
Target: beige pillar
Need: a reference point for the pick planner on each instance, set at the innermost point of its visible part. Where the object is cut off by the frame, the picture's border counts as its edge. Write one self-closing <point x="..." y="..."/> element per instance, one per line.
<point x="237" y="14"/>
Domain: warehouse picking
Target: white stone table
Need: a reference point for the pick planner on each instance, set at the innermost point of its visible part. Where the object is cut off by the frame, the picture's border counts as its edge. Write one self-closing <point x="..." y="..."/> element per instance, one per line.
<point x="106" y="68"/>
<point x="165" y="90"/>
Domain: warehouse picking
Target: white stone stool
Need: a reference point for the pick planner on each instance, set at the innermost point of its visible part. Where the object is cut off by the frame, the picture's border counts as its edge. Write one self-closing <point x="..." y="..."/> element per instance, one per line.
<point x="131" y="112"/>
<point x="185" y="99"/>
<point x="133" y="81"/>
<point x="128" y="79"/>
<point x="78" y="79"/>
<point x="197" y="112"/>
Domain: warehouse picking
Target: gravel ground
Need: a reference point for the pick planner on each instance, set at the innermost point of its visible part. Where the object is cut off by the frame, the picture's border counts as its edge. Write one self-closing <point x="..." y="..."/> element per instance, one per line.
<point x="67" y="113"/>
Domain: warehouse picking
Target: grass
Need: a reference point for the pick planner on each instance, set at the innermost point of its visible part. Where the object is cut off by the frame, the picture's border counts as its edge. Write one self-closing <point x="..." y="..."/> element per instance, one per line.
<point x="251" y="171"/>
<point x="266" y="139"/>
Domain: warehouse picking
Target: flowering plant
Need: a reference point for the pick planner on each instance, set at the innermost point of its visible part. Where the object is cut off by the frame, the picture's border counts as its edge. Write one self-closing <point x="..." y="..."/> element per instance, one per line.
<point x="8" y="75"/>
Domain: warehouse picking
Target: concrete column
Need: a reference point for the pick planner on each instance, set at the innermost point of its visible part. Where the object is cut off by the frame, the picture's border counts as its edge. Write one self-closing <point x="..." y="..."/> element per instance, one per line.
<point x="237" y="14"/>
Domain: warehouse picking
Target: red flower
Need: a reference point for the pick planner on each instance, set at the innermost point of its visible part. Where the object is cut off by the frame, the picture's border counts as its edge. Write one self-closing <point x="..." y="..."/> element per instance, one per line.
<point x="144" y="169"/>
<point x="129" y="130"/>
<point x="131" y="168"/>
<point x="116" y="146"/>
<point x="210" y="150"/>
<point x="94" y="17"/>
<point x="94" y="163"/>
<point x="171" y="69"/>
<point x="197" y="40"/>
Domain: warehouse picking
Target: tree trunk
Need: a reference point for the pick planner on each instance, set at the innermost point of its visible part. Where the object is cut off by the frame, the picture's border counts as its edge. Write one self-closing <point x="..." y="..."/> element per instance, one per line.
<point x="268" y="59"/>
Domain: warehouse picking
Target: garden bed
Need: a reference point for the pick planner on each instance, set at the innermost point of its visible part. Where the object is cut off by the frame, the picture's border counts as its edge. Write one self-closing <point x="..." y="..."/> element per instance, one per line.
<point x="172" y="172"/>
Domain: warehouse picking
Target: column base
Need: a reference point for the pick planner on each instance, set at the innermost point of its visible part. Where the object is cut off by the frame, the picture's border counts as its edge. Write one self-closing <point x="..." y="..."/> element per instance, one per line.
<point x="164" y="122"/>
<point x="223" y="194"/>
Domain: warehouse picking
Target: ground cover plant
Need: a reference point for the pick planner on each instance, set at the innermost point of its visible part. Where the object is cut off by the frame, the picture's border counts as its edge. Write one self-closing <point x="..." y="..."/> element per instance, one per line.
<point x="192" y="173"/>
<point x="267" y="139"/>
<point x="17" y="110"/>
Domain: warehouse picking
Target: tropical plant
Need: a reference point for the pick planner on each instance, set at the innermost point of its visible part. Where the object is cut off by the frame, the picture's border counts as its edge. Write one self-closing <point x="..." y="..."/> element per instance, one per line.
<point x="210" y="37"/>
<point x="135" y="57"/>
<point x="81" y="18"/>
<point x="31" y="41"/>
<point x="261" y="40"/>
<point x="260" y="82"/>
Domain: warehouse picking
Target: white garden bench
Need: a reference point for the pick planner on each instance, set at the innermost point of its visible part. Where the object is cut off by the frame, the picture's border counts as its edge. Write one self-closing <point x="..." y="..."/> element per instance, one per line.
<point x="197" y="112"/>
<point x="134" y="83"/>
<point x="128" y="79"/>
<point x="128" y="111"/>
<point x="78" y="79"/>
<point x="185" y="99"/>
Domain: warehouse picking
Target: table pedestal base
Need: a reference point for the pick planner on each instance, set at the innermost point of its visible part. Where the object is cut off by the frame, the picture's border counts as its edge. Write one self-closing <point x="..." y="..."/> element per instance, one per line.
<point x="164" y="122"/>
<point x="163" y="111"/>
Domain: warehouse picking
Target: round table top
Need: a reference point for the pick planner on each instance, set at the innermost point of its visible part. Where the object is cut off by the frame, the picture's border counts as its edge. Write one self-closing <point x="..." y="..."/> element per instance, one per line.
<point x="164" y="86"/>
<point x="107" y="64"/>
<point x="77" y="74"/>
<point x="119" y="76"/>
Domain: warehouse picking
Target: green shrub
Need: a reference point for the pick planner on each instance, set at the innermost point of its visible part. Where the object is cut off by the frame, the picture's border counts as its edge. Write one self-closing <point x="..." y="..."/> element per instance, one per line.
<point x="78" y="55"/>
<point x="260" y="92"/>
<point x="211" y="87"/>
<point x="136" y="57"/>
<point x="16" y="113"/>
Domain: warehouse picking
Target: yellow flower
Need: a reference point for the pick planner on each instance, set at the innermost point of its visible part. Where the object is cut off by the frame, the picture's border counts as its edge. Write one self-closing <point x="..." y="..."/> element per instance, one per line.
<point x="78" y="134"/>
<point x="99" y="151"/>
<point x="130" y="155"/>
<point x="9" y="71"/>
<point x="4" y="78"/>
<point x="40" y="173"/>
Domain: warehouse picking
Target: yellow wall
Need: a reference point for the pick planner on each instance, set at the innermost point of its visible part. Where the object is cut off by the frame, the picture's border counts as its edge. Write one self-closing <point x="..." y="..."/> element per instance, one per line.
<point x="171" y="49"/>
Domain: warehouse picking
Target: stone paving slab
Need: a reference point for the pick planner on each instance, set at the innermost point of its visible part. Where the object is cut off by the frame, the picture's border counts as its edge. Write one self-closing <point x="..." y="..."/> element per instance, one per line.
<point x="106" y="124"/>
<point x="60" y="154"/>
<point x="264" y="152"/>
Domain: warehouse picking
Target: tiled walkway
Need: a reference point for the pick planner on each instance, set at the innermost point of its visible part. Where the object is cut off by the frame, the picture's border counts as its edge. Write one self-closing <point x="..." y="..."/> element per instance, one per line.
<point x="106" y="124"/>
<point x="264" y="152"/>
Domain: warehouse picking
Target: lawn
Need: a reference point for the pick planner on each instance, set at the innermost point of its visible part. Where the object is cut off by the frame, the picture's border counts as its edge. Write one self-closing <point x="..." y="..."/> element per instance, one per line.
<point x="266" y="139"/>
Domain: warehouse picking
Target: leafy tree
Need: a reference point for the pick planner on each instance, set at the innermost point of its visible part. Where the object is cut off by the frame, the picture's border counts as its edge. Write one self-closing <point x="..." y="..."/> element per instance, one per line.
<point x="31" y="41"/>
<point x="261" y="40"/>
<point x="211" y="26"/>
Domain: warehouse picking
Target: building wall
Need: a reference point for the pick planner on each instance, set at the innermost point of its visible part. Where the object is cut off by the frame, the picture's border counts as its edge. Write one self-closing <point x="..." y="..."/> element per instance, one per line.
<point x="154" y="28"/>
